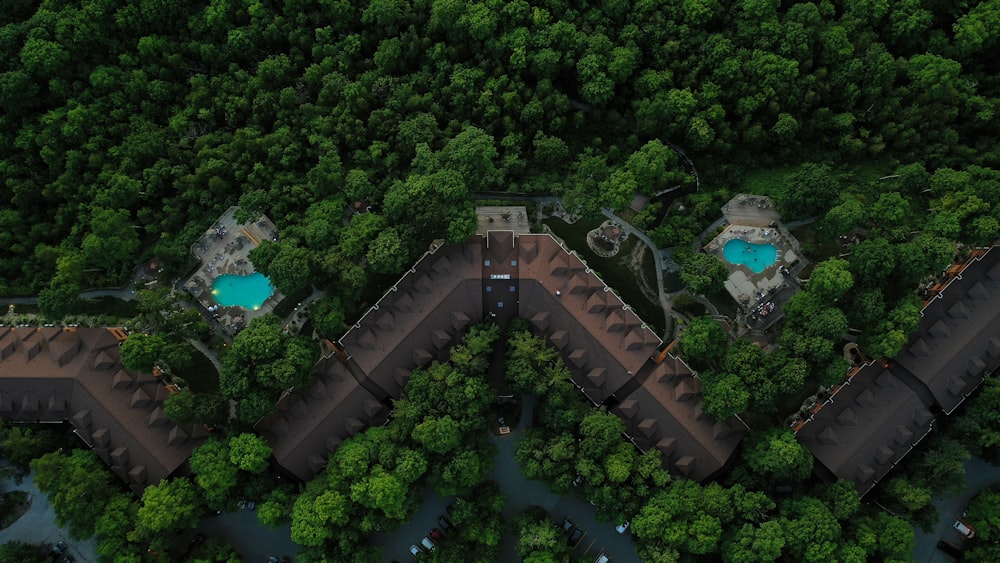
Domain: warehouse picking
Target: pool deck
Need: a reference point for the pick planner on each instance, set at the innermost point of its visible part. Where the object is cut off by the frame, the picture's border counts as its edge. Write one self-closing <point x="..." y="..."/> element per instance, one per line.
<point x="223" y="249"/>
<point x="760" y="295"/>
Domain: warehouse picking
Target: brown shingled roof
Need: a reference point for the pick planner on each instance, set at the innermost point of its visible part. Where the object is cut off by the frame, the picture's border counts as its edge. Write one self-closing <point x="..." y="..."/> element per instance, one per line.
<point x="75" y="375"/>
<point x="866" y="427"/>
<point x="428" y="308"/>
<point x="950" y="352"/>
<point x="318" y="420"/>
<point x="692" y="442"/>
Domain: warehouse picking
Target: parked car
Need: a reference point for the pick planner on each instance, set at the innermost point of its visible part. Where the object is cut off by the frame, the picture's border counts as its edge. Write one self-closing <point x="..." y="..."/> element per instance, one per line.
<point x="575" y="537"/>
<point x="59" y="548"/>
<point x="444" y="524"/>
<point x="602" y="558"/>
<point x="950" y="549"/>
<point x="427" y="543"/>
<point x="68" y="558"/>
<point x="567" y="525"/>
<point x="964" y="528"/>
<point x="622" y="527"/>
<point x="272" y="559"/>
<point x="415" y="550"/>
<point x="436" y="534"/>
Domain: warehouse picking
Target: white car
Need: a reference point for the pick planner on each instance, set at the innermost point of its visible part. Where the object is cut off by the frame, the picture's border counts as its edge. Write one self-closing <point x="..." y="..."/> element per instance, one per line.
<point x="964" y="528"/>
<point x="622" y="527"/>
<point x="416" y="551"/>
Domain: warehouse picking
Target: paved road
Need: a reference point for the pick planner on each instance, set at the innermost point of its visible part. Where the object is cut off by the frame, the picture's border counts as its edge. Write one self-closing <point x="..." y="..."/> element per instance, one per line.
<point x="38" y="524"/>
<point x="254" y="541"/>
<point x="978" y="475"/>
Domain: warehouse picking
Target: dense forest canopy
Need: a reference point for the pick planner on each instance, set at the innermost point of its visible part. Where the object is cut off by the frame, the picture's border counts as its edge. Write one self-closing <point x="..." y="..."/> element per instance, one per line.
<point x="129" y="126"/>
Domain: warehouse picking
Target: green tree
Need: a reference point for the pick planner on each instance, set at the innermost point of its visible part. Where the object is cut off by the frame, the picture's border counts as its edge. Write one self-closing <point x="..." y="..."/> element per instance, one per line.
<point x="166" y="506"/>
<point x="776" y="454"/>
<point x="276" y="509"/>
<point x="78" y="488"/>
<point x="725" y="395"/>
<point x="846" y="216"/>
<point x="703" y="341"/>
<point x="812" y="532"/>
<point x="830" y="280"/>
<point x="290" y="271"/>
<point x="214" y="472"/>
<point x="20" y="444"/>
<point x="112" y="527"/>
<point x="17" y="551"/>
<point x="112" y="243"/>
<point x="809" y="190"/>
<point x="249" y="452"/>
<point x="703" y="273"/>
<point x="386" y="254"/>
<point x="438" y="435"/>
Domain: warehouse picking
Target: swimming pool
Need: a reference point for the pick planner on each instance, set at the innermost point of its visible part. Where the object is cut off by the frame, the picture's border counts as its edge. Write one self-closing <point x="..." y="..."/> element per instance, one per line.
<point x="249" y="292"/>
<point x="757" y="257"/>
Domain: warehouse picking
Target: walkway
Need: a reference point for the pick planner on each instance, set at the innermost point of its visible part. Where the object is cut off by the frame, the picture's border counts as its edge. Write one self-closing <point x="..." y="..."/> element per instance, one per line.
<point x="301" y="309"/>
<point x="209" y="353"/>
<point x="978" y="475"/>
<point x="38" y="524"/>
<point x="125" y="292"/>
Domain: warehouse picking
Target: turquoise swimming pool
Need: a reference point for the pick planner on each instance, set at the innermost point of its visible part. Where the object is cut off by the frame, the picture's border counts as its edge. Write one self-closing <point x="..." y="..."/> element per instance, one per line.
<point x="249" y="292"/>
<point x="757" y="257"/>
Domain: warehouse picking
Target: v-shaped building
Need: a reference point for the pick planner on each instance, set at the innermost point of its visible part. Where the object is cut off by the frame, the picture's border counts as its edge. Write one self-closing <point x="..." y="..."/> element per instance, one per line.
<point x="55" y="374"/>
<point x="613" y="356"/>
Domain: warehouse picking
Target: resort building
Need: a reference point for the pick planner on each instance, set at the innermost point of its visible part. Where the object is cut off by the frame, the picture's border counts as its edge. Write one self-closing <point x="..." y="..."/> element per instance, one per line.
<point x="503" y="273"/>
<point x="870" y="422"/>
<point x="55" y="374"/>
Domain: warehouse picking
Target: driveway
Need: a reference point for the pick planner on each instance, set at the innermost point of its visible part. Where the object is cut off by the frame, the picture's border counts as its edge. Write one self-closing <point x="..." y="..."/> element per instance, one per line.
<point x="978" y="475"/>
<point x="254" y="541"/>
<point x="38" y="524"/>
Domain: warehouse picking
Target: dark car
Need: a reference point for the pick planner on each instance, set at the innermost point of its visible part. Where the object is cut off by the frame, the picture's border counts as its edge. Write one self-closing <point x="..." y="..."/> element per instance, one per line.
<point x="567" y="525"/>
<point x="950" y="549"/>
<point x="444" y="523"/>
<point x="68" y="558"/>
<point x="59" y="548"/>
<point x="575" y="537"/>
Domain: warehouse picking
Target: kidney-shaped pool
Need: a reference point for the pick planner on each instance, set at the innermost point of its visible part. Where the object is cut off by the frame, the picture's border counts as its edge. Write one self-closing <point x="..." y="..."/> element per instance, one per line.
<point x="249" y="292"/>
<point x="757" y="257"/>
